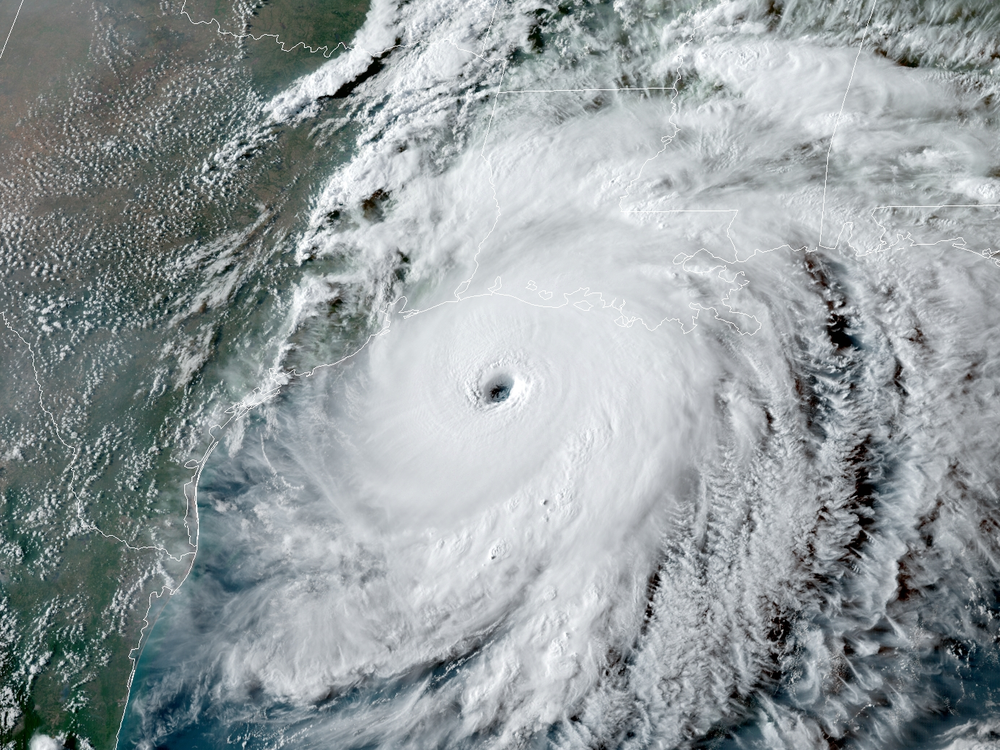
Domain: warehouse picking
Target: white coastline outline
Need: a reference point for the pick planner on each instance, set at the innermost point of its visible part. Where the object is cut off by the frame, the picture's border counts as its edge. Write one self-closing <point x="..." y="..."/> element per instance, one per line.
<point x="836" y="124"/>
<point x="244" y="406"/>
<point x="258" y="396"/>
<point x="86" y="525"/>
<point x="399" y="305"/>
<point x="882" y="245"/>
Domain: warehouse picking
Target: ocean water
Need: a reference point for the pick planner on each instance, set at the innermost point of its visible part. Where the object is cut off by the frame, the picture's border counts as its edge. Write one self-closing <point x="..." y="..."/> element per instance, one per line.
<point x="591" y="375"/>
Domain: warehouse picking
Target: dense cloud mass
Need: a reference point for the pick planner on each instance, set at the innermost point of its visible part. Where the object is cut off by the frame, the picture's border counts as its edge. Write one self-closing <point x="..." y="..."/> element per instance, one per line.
<point x="675" y="423"/>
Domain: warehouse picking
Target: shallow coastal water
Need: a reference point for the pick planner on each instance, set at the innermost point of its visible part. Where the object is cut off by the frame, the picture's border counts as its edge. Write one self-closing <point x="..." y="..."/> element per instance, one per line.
<point x="591" y="375"/>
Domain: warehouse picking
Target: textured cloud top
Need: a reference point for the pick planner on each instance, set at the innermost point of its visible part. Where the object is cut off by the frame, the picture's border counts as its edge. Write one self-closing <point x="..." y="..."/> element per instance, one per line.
<point x="672" y="423"/>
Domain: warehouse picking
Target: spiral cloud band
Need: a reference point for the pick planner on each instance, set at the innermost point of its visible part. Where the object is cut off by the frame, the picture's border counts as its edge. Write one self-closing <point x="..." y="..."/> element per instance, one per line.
<point x="676" y="427"/>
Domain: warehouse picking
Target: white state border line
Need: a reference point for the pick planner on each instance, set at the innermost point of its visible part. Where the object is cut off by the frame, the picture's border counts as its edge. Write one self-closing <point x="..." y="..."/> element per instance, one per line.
<point x="398" y="306"/>
<point x="626" y="320"/>
<point x="4" y="49"/>
<point x="325" y="49"/>
<point x="38" y="383"/>
<point x="76" y="448"/>
<point x="190" y="519"/>
<point x="585" y="90"/>
<point x="836" y="124"/>
<point x="260" y="395"/>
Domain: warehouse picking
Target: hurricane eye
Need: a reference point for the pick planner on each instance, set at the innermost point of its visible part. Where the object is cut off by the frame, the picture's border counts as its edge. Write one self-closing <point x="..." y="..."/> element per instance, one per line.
<point x="498" y="389"/>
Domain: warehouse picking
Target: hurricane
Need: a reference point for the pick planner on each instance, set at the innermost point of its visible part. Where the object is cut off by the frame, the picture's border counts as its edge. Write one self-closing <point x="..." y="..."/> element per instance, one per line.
<point x="639" y="390"/>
